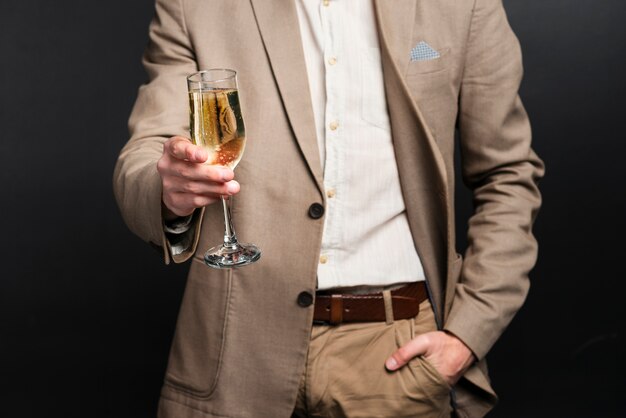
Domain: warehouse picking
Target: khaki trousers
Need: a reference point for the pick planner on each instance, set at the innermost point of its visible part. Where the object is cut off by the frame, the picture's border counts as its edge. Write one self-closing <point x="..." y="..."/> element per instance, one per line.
<point x="345" y="373"/>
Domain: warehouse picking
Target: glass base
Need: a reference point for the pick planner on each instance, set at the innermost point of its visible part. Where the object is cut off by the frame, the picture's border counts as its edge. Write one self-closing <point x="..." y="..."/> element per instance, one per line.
<point x="224" y="257"/>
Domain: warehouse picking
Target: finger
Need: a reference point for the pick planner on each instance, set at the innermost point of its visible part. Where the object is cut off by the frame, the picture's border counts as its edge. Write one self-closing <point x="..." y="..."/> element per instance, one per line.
<point x="232" y="187"/>
<point x="181" y="148"/>
<point x="416" y="347"/>
<point x="206" y="188"/>
<point x="199" y="201"/>
<point x="216" y="173"/>
<point x="199" y="172"/>
<point x="183" y="204"/>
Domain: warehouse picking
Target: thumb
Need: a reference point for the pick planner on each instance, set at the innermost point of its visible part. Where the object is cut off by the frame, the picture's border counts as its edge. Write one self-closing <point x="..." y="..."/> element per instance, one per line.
<point x="416" y="347"/>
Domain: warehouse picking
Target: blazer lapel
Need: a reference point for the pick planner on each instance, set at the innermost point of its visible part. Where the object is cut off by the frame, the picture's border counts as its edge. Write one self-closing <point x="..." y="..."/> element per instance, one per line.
<point x="279" y="28"/>
<point x="420" y="163"/>
<point x="397" y="19"/>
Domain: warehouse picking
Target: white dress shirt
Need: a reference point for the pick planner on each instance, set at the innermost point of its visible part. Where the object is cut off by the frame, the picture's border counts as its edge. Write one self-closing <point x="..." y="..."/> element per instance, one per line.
<point x="366" y="238"/>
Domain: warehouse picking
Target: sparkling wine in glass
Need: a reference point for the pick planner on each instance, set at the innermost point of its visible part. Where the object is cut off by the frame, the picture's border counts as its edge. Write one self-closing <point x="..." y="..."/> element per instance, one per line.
<point x="216" y="124"/>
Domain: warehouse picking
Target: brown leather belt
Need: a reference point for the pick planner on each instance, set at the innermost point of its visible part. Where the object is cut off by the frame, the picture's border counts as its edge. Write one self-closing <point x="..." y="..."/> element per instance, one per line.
<point x="331" y="308"/>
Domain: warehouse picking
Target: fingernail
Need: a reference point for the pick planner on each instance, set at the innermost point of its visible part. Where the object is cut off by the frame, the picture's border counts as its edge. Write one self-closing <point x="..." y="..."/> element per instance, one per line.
<point x="391" y="363"/>
<point x="232" y="188"/>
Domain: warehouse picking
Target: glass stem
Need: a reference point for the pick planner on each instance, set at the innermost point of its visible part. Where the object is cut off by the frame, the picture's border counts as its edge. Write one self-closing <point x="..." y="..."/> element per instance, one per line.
<point x="230" y="238"/>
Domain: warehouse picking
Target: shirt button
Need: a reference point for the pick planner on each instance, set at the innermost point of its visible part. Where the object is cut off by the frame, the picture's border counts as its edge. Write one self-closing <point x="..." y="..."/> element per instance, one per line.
<point x="305" y="299"/>
<point x="323" y="259"/>
<point x="332" y="60"/>
<point x="333" y="126"/>
<point x="316" y="211"/>
<point x="330" y="193"/>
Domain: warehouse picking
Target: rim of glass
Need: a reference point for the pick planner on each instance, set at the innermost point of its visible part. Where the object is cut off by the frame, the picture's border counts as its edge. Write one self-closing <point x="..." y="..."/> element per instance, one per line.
<point x="233" y="74"/>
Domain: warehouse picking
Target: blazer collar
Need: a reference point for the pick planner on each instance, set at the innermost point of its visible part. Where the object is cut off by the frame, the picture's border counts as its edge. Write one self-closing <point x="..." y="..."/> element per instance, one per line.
<point x="396" y="21"/>
<point x="279" y="27"/>
<point x="420" y="163"/>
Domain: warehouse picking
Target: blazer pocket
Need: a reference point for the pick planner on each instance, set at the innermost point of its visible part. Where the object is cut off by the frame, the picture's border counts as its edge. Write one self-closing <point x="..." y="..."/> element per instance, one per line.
<point x="430" y="66"/>
<point x="196" y="353"/>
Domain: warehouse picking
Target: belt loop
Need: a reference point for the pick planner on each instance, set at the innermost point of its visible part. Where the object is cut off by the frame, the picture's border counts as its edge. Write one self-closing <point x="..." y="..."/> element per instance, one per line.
<point x="388" y="307"/>
<point x="336" y="309"/>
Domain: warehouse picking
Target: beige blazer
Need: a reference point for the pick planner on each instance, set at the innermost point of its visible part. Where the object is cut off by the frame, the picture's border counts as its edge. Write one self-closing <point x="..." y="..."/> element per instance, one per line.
<point x="241" y="339"/>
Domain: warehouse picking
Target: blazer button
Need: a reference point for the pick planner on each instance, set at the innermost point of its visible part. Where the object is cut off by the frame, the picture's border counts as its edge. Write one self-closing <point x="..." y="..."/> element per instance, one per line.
<point x="305" y="299"/>
<point x="316" y="211"/>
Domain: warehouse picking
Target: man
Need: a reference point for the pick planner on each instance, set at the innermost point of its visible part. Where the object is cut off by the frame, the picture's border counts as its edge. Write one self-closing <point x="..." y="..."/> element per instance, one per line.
<point x="360" y="305"/>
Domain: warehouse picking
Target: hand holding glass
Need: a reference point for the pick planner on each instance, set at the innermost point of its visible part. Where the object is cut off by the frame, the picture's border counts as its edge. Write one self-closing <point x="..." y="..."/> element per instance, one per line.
<point x="216" y="124"/>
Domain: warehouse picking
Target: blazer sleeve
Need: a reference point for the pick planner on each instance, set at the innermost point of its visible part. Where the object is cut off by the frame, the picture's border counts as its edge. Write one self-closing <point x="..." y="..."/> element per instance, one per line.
<point x="502" y="171"/>
<point x="160" y="111"/>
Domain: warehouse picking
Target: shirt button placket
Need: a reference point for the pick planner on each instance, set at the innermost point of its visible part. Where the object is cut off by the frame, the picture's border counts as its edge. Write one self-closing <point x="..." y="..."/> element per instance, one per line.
<point x="334" y="89"/>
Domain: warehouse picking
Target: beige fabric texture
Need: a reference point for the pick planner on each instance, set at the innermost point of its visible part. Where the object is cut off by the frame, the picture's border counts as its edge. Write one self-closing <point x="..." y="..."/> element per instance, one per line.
<point x="345" y="374"/>
<point x="241" y="340"/>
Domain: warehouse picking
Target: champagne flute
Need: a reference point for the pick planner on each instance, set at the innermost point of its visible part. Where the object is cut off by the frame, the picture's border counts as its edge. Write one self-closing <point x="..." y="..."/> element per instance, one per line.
<point x="216" y="124"/>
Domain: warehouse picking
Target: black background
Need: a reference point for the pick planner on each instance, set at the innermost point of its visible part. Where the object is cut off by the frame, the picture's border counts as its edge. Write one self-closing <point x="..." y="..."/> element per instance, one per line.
<point x="87" y="310"/>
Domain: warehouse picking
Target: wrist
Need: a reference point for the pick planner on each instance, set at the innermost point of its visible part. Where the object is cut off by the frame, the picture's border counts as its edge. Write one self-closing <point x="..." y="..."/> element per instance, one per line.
<point x="167" y="214"/>
<point x="462" y="347"/>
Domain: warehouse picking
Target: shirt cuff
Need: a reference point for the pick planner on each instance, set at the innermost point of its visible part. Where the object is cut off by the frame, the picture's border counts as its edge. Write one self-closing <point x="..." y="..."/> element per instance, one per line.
<point x="178" y="226"/>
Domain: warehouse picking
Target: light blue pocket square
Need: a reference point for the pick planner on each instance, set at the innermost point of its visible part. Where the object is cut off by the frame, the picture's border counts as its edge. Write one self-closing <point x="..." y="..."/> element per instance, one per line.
<point x="424" y="52"/>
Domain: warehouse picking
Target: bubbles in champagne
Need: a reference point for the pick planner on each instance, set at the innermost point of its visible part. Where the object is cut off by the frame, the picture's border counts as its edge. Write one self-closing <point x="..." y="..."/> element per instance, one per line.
<point x="216" y="124"/>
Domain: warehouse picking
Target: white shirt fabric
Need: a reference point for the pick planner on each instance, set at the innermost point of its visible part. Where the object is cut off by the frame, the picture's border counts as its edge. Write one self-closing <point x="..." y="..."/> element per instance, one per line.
<point x="366" y="238"/>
